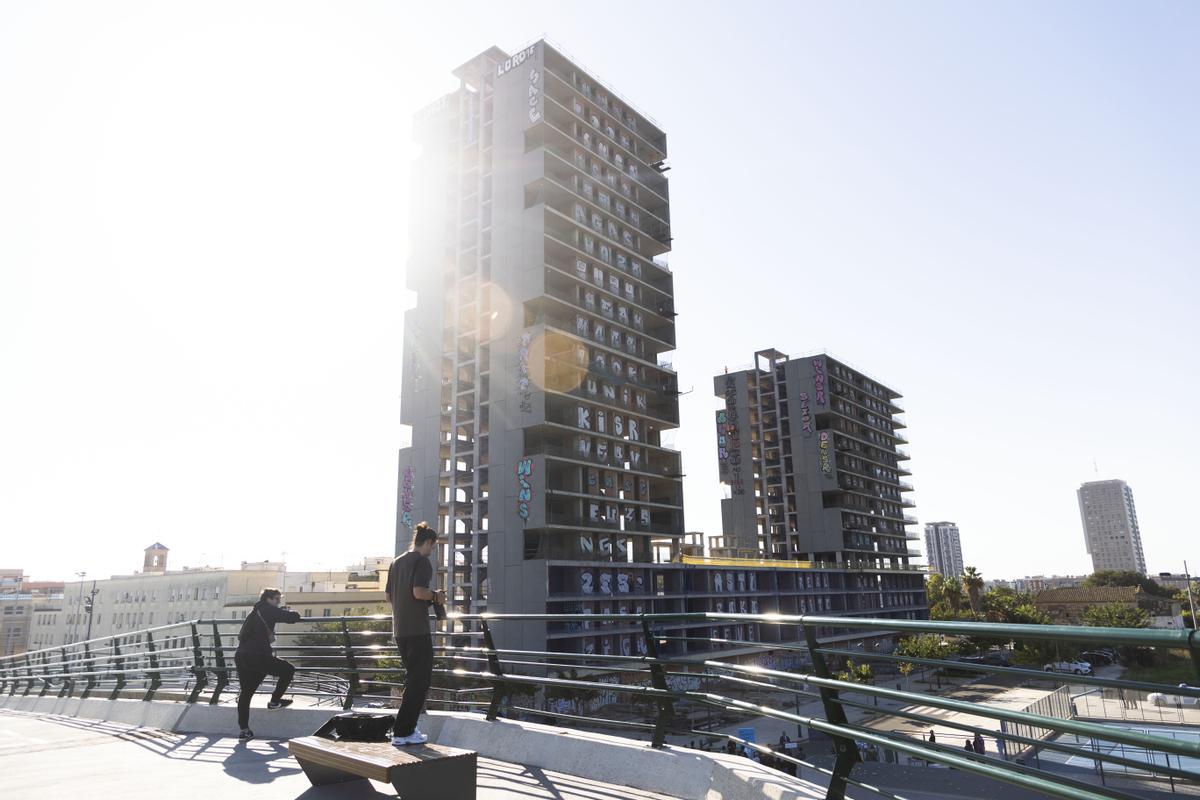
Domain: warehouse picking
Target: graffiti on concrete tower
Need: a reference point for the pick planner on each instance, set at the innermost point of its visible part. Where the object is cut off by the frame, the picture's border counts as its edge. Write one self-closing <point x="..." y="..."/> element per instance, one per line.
<point x="524" y="488"/>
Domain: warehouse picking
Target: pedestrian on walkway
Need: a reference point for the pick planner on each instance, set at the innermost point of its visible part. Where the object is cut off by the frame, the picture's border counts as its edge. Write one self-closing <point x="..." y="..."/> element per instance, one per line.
<point x="932" y="737"/>
<point x="255" y="659"/>
<point x="409" y="594"/>
<point x="970" y="748"/>
<point x="978" y="744"/>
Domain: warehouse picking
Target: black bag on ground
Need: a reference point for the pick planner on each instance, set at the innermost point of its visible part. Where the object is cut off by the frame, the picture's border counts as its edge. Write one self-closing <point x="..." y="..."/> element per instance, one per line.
<point x="358" y="726"/>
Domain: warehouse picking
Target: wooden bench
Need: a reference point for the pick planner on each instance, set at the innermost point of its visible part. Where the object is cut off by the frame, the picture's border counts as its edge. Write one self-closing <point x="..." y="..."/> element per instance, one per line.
<point x="421" y="772"/>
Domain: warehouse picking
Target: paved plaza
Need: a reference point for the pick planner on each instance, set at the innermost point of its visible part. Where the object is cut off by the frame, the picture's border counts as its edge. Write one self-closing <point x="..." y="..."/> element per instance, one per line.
<point x="64" y="757"/>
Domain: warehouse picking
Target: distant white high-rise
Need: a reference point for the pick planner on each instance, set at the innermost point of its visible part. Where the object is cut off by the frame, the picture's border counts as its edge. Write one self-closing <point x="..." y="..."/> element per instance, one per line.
<point x="943" y="548"/>
<point x="1110" y="526"/>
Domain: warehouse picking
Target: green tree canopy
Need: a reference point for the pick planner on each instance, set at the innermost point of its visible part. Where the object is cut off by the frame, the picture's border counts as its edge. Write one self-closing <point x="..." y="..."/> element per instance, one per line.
<point x="972" y="581"/>
<point x="1116" y="577"/>
<point x="945" y="597"/>
<point x="1006" y="605"/>
<point x="855" y="673"/>
<point x="926" y="645"/>
<point x="1115" y="615"/>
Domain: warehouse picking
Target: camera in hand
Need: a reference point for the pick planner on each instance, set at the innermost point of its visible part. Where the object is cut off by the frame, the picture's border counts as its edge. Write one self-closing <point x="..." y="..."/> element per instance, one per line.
<point x="439" y="610"/>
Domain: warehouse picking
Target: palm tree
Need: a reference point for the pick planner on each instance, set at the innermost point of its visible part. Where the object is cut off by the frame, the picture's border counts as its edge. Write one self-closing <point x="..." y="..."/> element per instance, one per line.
<point x="973" y="582"/>
<point x="935" y="589"/>
<point x="953" y="593"/>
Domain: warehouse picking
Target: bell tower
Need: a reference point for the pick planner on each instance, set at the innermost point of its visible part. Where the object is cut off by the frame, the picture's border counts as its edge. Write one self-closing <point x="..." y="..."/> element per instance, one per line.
<point x="156" y="559"/>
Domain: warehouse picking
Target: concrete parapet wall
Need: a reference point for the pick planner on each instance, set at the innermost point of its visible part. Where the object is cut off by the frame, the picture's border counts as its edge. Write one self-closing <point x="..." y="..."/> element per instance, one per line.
<point x="162" y="715"/>
<point x="677" y="772"/>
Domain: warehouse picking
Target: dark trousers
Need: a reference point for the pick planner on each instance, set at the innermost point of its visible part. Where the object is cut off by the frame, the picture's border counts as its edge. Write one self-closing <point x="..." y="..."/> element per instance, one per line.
<point x="417" y="654"/>
<point x="252" y="668"/>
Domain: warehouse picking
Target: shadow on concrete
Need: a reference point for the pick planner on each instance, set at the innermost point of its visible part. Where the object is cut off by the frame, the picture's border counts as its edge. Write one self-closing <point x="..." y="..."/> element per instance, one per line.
<point x="256" y="761"/>
<point x="351" y="790"/>
<point x="519" y="780"/>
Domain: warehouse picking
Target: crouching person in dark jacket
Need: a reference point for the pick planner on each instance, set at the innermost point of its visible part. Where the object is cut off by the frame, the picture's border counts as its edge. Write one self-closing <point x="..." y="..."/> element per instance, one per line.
<point x="255" y="659"/>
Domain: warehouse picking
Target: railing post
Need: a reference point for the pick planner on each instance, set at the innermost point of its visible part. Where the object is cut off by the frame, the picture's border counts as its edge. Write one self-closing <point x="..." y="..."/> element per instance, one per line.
<point x="221" y="668"/>
<point x="28" y="676"/>
<point x="118" y="669"/>
<point x="45" y="676"/>
<point x="197" y="664"/>
<point x="88" y="668"/>
<point x="353" y="688"/>
<point x="68" y="682"/>
<point x="847" y="751"/>
<point x="155" y="672"/>
<point x="658" y="678"/>
<point x="499" y="688"/>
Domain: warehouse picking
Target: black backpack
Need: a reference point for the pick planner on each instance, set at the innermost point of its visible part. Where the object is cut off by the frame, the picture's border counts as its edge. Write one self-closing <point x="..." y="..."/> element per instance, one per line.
<point x="358" y="726"/>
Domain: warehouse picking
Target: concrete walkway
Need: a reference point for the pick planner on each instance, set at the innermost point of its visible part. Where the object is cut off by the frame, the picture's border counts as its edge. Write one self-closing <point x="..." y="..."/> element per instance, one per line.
<point x="63" y="757"/>
<point x="561" y="757"/>
<point x="993" y="695"/>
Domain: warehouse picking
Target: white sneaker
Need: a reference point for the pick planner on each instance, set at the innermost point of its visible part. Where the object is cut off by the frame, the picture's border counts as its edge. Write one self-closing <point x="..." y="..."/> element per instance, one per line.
<point x="416" y="737"/>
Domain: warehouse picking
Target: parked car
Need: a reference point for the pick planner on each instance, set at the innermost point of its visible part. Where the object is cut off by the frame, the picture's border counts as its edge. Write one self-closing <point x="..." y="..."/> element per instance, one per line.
<point x="1100" y="657"/>
<point x="996" y="658"/>
<point x="993" y="659"/>
<point x="1174" y="700"/>
<point x="1073" y="667"/>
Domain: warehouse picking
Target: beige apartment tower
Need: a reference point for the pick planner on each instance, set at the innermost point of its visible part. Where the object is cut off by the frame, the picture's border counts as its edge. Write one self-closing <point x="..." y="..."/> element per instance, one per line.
<point x="1110" y="526"/>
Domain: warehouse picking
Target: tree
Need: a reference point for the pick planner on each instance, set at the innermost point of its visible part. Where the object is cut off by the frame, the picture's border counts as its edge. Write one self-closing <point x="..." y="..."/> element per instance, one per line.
<point x="935" y="589"/>
<point x="927" y="646"/>
<point x="1118" y="615"/>
<point x="1006" y="605"/>
<point x="946" y="598"/>
<point x="1118" y="577"/>
<point x="855" y="673"/>
<point x="953" y="594"/>
<point x="329" y="634"/>
<point x="906" y="668"/>
<point x="1115" y="615"/>
<point x="973" y="582"/>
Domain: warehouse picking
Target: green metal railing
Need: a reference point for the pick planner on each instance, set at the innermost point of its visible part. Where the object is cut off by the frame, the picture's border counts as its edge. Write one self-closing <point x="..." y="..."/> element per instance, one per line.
<point x="348" y="663"/>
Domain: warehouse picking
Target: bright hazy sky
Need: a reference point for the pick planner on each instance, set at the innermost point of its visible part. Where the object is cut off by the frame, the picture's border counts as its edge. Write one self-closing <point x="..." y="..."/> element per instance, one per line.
<point x="203" y="236"/>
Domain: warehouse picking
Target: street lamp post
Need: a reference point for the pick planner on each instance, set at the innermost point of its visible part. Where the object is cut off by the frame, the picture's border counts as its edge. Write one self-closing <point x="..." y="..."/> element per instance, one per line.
<point x="78" y="606"/>
<point x="88" y="607"/>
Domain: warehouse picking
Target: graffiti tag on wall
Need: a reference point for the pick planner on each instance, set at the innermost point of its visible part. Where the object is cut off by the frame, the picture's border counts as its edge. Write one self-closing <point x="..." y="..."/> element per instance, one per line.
<point x="731" y="461"/>
<point x="523" y="372"/>
<point x="406" y="499"/>
<point x="806" y="419"/>
<point x="535" y="93"/>
<point x="826" y="454"/>
<point x="524" y="488"/>
<point x="818" y="366"/>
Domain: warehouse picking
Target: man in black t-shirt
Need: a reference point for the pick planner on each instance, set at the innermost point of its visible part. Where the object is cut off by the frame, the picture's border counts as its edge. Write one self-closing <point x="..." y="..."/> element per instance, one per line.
<point x="409" y="593"/>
